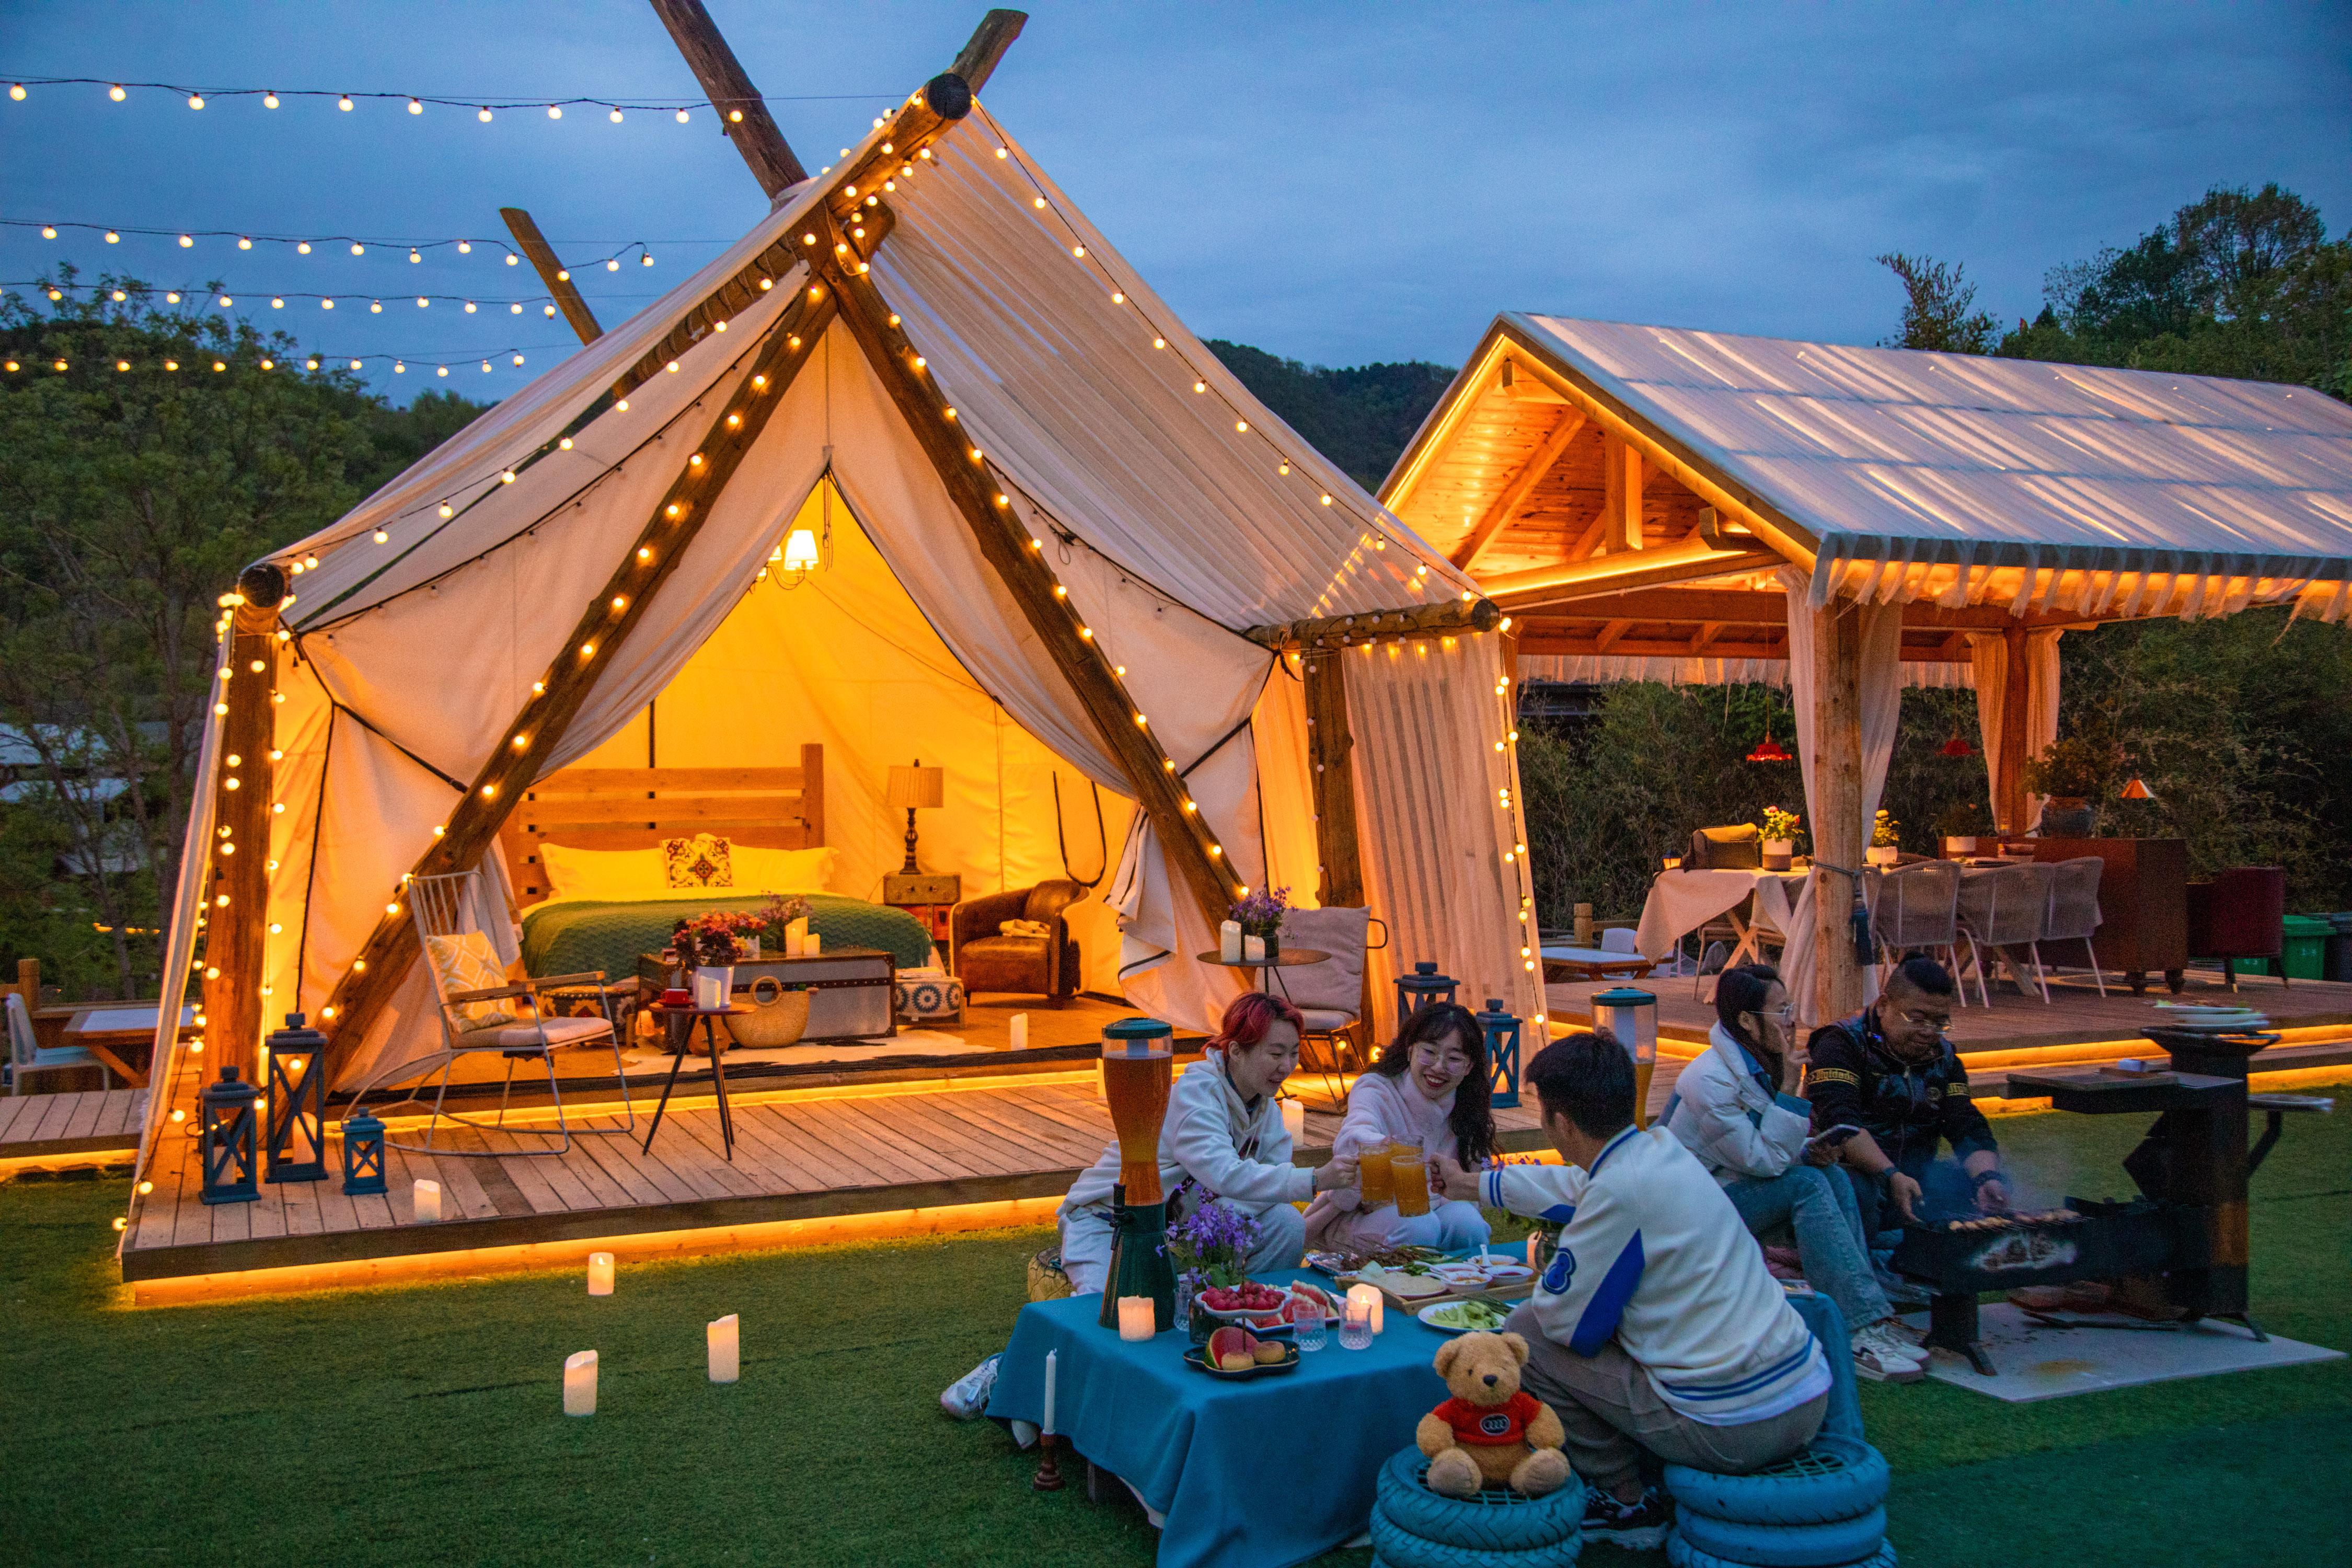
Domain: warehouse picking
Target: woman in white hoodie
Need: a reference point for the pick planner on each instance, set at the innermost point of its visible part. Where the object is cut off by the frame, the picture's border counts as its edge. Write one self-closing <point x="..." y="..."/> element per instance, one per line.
<point x="1430" y="1088"/>
<point x="1738" y="1107"/>
<point x="1223" y="1135"/>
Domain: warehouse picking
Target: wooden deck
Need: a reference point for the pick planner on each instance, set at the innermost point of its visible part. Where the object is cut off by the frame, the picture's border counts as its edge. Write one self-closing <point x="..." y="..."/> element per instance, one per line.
<point x="91" y="1121"/>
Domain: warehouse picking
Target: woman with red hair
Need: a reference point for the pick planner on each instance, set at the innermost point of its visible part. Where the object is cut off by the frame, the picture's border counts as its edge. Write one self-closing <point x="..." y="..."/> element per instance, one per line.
<point x="1223" y="1136"/>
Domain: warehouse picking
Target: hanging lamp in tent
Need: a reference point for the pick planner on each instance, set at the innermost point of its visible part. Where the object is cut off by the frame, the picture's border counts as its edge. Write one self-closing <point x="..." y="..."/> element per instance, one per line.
<point x="1957" y="746"/>
<point x="1771" y="751"/>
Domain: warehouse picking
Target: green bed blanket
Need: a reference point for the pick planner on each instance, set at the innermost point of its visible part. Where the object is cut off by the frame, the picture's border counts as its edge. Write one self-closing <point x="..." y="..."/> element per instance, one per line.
<point x="575" y="937"/>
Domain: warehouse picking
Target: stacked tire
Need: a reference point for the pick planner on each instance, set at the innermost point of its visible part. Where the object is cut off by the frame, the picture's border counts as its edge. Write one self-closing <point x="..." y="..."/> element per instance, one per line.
<point x="1414" y="1527"/>
<point x="1825" y="1508"/>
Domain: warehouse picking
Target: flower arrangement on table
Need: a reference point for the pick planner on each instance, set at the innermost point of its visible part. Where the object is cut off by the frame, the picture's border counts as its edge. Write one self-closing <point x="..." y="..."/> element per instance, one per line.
<point x="780" y="910"/>
<point x="1207" y="1247"/>
<point x="1260" y="914"/>
<point x="1781" y="826"/>
<point x="714" y="940"/>
<point x="1884" y="833"/>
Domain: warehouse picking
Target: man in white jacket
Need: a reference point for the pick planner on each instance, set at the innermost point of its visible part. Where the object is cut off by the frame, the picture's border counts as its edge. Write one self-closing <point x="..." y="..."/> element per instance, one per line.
<point x="1223" y="1131"/>
<point x="1655" y="1326"/>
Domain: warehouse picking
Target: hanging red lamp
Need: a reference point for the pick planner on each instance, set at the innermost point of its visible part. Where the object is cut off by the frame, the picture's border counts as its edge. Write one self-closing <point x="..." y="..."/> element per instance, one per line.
<point x="1771" y="751"/>
<point x="1957" y="746"/>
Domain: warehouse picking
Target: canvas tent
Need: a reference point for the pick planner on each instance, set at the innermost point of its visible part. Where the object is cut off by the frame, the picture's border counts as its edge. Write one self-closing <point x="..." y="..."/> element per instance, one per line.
<point x="1068" y="551"/>
<point x="1661" y="503"/>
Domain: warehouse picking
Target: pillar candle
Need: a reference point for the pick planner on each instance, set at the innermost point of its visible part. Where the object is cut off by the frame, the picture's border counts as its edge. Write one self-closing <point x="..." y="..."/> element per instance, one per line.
<point x="1136" y="1321"/>
<point x="794" y="932"/>
<point x="600" y="1274"/>
<point x="726" y="1348"/>
<point x="1229" y="942"/>
<point x="1294" y="1120"/>
<point x="428" y="1201"/>
<point x="580" y="1383"/>
<point x="1053" y="1359"/>
<point x="1020" y="1031"/>
<point x="811" y="944"/>
<point x="1369" y="1298"/>
<point x="1253" y="949"/>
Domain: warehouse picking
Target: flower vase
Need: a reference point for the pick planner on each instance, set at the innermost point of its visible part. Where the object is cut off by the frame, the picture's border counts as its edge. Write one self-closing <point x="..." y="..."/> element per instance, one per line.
<point x="1779" y="853"/>
<point x="1198" y="1324"/>
<point x="1884" y="854"/>
<point x="714" y="985"/>
<point x="1273" y="946"/>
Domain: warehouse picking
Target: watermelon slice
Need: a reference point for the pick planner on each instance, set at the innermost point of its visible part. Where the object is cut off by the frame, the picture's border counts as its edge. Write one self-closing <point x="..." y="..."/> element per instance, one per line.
<point x="1233" y="1350"/>
<point x="1302" y="1309"/>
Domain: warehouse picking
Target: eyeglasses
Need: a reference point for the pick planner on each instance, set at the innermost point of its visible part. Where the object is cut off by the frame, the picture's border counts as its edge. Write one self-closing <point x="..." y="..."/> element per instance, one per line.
<point x="1449" y="1057"/>
<point x="1938" y="1022"/>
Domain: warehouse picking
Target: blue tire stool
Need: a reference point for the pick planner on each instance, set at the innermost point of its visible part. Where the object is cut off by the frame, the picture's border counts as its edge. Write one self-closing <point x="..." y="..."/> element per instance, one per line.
<point x="1830" y="1545"/>
<point x="1681" y="1554"/>
<point x="1832" y="1478"/>
<point x="1414" y="1527"/>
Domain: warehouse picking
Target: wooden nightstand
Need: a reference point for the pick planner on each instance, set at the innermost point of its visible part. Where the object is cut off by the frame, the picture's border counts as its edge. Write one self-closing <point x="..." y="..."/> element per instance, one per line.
<point x="929" y="897"/>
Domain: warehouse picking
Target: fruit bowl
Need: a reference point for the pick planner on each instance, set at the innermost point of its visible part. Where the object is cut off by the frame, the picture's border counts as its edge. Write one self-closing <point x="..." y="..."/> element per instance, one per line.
<point x="1250" y="1303"/>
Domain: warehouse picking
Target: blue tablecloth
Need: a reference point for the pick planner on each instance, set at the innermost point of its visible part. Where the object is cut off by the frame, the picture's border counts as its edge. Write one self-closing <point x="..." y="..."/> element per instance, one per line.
<point x="1257" y="1474"/>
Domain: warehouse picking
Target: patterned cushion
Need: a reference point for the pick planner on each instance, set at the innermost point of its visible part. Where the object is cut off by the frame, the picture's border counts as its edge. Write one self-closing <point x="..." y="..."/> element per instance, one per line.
<point x="923" y="997"/>
<point x="468" y="962"/>
<point x="705" y="860"/>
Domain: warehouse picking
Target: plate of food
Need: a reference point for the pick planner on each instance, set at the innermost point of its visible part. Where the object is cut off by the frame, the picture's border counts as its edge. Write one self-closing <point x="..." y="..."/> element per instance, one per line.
<point x="1251" y="1303"/>
<point x="1465" y="1316"/>
<point x="1402" y="1285"/>
<point x="1236" y="1352"/>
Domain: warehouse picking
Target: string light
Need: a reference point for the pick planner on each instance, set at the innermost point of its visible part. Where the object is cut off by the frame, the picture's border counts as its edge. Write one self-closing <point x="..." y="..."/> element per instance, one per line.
<point x="302" y="244"/>
<point x="415" y="102"/>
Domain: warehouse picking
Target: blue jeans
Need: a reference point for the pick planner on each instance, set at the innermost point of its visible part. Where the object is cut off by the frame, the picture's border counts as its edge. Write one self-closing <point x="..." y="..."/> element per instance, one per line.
<point x="1820" y="1207"/>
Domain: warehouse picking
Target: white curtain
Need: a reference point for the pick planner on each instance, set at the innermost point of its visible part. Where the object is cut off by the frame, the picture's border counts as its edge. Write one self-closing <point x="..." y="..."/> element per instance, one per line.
<point x="1989" y="657"/>
<point x="1880" y="677"/>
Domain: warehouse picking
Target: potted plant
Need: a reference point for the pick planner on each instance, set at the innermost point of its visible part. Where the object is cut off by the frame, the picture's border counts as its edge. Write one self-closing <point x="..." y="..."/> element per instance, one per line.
<point x="1885" y="843"/>
<point x="1779" y="829"/>
<point x="2070" y="775"/>
<point x="1207" y="1246"/>
<point x="1962" y="827"/>
<point x="711" y="940"/>
<point x="1260" y="915"/>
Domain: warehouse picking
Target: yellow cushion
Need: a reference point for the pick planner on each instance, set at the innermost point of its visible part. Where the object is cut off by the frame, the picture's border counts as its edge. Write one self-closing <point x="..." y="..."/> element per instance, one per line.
<point x="602" y="873"/>
<point x="468" y="962"/>
<point x="783" y="870"/>
<point x="705" y="860"/>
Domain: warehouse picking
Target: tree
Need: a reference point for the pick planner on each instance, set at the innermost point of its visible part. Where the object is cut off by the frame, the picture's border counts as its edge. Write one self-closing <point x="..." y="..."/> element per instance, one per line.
<point x="1361" y="418"/>
<point x="147" y="453"/>
<point x="1936" y="314"/>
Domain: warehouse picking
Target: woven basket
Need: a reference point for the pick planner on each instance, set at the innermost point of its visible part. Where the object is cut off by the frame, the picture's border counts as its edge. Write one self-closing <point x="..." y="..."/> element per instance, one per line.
<point x="1046" y="1280"/>
<point x="779" y="1018"/>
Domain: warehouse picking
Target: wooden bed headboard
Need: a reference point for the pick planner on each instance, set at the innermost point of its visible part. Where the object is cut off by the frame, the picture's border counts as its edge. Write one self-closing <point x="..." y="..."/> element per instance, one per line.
<point x="636" y="808"/>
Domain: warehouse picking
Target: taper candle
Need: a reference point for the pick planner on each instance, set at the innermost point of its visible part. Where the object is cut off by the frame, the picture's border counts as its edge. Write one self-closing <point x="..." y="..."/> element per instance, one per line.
<point x="722" y="1339"/>
<point x="1053" y="1359"/>
<point x="427" y="1201"/>
<point x="580" y="1383"/>
<point x="600" y="1274"/>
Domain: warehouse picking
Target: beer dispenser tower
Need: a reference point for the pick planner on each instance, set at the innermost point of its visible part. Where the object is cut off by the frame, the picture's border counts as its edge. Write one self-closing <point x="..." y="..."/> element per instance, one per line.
<point x="1138" y="1061"/>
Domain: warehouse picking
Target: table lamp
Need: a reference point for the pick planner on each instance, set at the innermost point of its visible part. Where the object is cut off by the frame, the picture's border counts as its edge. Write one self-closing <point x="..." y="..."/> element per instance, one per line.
<point x="1137" y="1066"/>
<point x="1630" y="1015"/>
<point x="913" y="789"/>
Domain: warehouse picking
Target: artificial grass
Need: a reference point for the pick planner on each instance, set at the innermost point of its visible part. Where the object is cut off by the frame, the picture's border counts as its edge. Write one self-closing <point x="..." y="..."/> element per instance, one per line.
<point x="422" y="1425"/>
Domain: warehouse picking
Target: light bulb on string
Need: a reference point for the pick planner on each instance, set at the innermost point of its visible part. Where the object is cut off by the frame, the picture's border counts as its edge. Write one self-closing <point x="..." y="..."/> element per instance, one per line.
<point x="49" y="231"/>
<point x="465" y="248"/>
<point x="116" y="92"/>
<point x="415" y="106"/>
<point x="483" y="114"/>
<point x="269" y="101"/>
<point x="195" y="100"/>
<point x="555" y="112"/>
<point x="301" y="247"/>
<point x="682" y="117"/>
<point x="344" y="103"/>
<point x="414" y="255"/>
<point x="614" y="117"/>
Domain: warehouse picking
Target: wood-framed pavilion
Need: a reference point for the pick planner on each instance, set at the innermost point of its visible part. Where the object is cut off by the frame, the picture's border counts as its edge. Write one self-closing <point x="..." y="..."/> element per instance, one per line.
<point x="1665" y="503"/>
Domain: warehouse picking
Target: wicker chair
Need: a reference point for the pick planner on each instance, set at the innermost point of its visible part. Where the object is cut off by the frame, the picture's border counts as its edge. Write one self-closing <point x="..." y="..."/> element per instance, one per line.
<point x="2074" y="913"/>
<point x="1913" y="909"/>
<point x="2002" y="908"/>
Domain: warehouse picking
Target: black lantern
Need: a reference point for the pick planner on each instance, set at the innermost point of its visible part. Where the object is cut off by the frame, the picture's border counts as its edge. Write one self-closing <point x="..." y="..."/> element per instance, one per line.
<point x="363" y="1153"/>
<point x="1424" y="987"/>
<point x="298" y="1104"/>
<point x="1502" y="1032"/>
<point x="228" y="1111"/>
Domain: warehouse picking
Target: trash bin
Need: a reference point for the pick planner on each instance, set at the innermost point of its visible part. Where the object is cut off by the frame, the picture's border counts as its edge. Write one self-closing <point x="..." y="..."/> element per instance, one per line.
<point x="2338" y="966"/>
<point x="2306" y="946"/>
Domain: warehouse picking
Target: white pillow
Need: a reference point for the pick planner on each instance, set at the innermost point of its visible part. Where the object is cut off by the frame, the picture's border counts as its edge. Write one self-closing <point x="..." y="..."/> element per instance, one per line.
<point x="604" y="873"/>
<point x="759" y="870"/>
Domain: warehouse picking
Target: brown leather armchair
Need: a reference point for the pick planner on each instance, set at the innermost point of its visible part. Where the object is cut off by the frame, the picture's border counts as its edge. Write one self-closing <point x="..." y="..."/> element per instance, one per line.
<point x="987" y="960"/>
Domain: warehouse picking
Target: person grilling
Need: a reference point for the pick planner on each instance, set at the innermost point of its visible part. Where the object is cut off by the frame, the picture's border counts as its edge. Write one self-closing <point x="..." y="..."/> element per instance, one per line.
<point x="1654" y="1327"/>
<point x="1741" y="1108"/>
<point x="1889" y="1072"/>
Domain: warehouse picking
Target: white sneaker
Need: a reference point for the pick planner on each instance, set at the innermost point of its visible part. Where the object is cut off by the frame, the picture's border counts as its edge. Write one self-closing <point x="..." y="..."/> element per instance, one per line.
<point x="1881" y="1357"/>
<point x="967" y="1398"/>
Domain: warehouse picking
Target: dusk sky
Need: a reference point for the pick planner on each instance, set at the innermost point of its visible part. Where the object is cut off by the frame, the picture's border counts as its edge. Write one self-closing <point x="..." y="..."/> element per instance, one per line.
<point x="1339" y="183"/>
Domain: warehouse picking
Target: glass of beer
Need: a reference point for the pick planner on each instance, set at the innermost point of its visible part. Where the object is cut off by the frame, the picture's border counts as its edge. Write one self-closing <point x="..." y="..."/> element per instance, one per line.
<point x="1376" y="1176"/>
<point x="1409" y="1169"/>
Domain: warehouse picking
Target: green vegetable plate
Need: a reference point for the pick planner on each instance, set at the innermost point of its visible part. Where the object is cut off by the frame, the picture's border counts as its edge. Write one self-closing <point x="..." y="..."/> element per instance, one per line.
<point x="1465" y="1316"/>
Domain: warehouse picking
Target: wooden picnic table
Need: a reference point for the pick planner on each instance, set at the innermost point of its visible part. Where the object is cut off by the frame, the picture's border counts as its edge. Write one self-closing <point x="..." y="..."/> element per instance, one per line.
<point x="120" y="1034"/>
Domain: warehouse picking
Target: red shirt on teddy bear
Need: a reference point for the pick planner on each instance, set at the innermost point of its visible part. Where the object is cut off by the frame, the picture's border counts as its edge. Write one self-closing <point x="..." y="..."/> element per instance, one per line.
<point x="1489" y="1426"/>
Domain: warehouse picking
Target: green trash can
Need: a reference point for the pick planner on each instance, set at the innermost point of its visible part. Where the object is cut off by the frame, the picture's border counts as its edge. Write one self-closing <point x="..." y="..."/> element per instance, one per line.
<point x="2306" y="946"/>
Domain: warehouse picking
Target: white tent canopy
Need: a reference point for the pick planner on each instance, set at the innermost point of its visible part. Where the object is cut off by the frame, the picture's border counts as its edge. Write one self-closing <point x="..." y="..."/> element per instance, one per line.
<point x="1175" y="510"/>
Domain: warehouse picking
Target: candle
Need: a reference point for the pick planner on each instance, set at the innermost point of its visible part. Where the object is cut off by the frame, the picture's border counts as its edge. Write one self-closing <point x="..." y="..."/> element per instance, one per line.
<point x="580" y="1383"/>
<point x="1136" y="1321"/>
<point x="600" y="1274"/>
<point x="1053" y="1359"/>
<point x="1229" y="942"/>
<point x="1020" y="1031"/>
<point x="794" y="933"/>
<point x="1294" y="1120"/>
<point x="428" y="1201"/>
<point x="1254" y="950"/>
<point x="726" y="1347"/>
<point x="811" y="944"/>
<point x="1368" y="1296"/>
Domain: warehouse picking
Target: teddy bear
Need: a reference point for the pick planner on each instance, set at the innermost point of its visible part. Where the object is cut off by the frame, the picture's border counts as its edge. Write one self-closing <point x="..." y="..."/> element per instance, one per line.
<point x="1490" y="1433"/>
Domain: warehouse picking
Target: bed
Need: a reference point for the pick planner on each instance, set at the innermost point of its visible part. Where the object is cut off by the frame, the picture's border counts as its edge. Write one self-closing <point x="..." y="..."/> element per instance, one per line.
<point x="622" y="823"/>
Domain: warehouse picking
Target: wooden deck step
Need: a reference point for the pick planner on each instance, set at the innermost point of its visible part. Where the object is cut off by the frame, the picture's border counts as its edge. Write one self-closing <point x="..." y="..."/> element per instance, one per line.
<point x="90" y="1121"/>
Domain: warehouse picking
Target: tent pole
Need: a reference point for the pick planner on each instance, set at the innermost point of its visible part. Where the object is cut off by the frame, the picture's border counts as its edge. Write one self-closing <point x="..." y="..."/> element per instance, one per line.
<point x="1330" y="742"/>
<point x="1191" y="849"/>
<point x="236" y="893"/>
<point x="1838" y="831"/>
<point x="615" y="612"/>
<point x="743" y="114"/>
<point x="2008" y="767"/>
<point x="552" y="273"/>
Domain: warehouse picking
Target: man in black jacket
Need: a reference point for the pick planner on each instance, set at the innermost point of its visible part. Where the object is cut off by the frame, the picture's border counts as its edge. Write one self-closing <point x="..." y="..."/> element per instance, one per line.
<point x="1889" y="1071"/>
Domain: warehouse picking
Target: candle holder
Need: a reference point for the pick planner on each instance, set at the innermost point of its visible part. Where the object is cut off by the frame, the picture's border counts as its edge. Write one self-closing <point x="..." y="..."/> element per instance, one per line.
<point x="1502" y="1031"/>
<point x="298" y="1104"/>
<point x="363" y="1153"/>
<point x="1048" y="1478"/>
<point x="1422" y="988"/>
<point x="228" y="1153"/>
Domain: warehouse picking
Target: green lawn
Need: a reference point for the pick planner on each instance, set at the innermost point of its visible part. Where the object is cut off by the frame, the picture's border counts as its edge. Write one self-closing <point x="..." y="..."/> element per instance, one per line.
<point x="421" y="1424"/>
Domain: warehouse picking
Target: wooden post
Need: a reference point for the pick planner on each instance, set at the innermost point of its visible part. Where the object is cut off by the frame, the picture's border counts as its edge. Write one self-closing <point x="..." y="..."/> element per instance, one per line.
<point x="237" y="884"/>
<point x="1192" y="851"/>
<point x="604" y="626"/>
<point x="1621" y="504"/>
<point x="552" y="273"/>
<point x="1442" y="619"/>
<point x="1330" y="742"/>
<point x="1839" y="838"/>
<point x="2009" y="759"/>
<point x="741" y="114"/>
